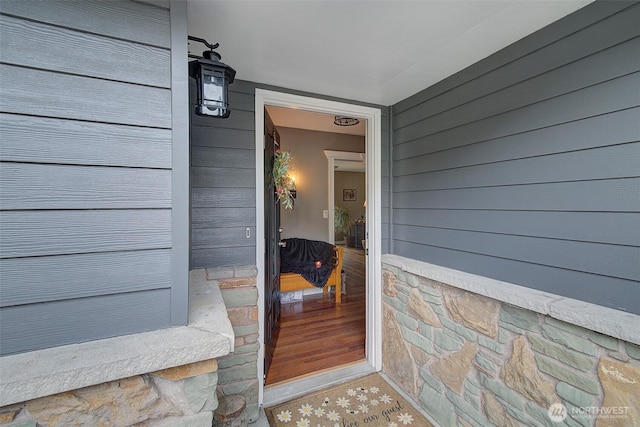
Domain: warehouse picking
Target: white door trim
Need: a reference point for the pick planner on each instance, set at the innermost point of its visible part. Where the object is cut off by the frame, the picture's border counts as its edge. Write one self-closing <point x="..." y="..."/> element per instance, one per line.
<point x="373" y="144"/>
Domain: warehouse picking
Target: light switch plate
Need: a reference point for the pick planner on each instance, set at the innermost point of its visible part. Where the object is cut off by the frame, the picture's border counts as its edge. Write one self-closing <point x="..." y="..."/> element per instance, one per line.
<point x="325" y="214"/>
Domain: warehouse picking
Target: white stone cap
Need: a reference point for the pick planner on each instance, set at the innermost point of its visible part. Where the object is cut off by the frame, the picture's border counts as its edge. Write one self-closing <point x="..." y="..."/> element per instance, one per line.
<point x="209" y="335"/>
<point x="605" y="320"/>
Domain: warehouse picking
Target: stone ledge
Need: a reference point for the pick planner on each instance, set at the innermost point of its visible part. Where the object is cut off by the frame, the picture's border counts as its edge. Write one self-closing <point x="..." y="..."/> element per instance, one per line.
<point x="55" y="370"/>
<point x="615" y="323"/>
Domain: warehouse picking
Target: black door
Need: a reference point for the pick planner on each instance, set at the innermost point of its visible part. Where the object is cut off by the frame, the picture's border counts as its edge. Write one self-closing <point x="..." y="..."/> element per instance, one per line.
<point x="272" y="249"/>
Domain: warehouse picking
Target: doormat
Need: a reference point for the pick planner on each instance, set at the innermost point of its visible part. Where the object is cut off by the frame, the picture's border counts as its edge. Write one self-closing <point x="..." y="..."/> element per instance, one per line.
<point x="367" y="401"/>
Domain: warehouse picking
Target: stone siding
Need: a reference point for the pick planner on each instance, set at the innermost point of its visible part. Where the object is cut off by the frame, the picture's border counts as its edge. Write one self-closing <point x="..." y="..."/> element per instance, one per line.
<point x="238" y="372"/>
<point x="180" y="396"/>
<point x="467" y="359"/>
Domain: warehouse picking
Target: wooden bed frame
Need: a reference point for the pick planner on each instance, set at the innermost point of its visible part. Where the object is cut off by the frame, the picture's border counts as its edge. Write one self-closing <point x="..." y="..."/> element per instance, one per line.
<point x="295" y="282"/>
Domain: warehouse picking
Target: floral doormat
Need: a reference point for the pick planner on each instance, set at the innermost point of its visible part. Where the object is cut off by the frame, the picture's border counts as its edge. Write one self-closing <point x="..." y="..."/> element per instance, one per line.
<point x="367" y="401"/>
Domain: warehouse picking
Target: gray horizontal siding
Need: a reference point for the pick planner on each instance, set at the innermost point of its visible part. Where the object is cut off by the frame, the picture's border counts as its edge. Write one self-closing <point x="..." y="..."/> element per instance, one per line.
<point x="223" y="195"/>
<point x="65" y="276"/>
<point x="591" y="101"/>
<point x="591" y="132"/>
<point x="67" y="49"/>
<point x="38" y="233"/>
<point x="223" y="181"/>
<point x="133" y="21"/>
<point x="46" y="140"/>
<point x="86" y="174"/>
<point x="585" y="165"/>
<point x="590" y="227"/>
<point x="228" y="197"/>
<point x="524" y="167"/>
<point x="82" y="98"/>
<point x="76" y="320"/>
<point x="576" y="38"/>
<point x="618" y="261"/>
<point x="612" y="196"/>
<point x="577" y="284"/>
<point x="39" y="186"/>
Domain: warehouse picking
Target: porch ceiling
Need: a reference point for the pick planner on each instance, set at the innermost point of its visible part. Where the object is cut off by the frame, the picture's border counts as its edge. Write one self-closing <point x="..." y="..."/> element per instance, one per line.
<point x="370" y="51"/>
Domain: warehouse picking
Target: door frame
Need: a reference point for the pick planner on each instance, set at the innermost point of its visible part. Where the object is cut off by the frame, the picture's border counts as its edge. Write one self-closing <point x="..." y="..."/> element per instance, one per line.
<point x="373" y="144"/>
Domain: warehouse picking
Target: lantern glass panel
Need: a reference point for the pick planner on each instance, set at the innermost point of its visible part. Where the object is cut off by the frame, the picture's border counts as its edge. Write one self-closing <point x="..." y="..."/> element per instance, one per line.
<point x="214" y="94"/>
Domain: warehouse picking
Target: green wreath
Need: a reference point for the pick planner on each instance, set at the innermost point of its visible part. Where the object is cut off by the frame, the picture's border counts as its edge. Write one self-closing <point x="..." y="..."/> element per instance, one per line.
<point x="281" y="179"/>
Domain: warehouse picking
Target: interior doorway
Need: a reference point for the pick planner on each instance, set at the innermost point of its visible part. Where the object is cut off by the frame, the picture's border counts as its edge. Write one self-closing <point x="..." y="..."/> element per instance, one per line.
<point x="371" y="116"/>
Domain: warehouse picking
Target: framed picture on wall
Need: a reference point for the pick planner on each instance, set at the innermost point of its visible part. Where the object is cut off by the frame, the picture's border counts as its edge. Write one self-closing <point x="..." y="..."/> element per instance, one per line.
<point x="349" y="194"/>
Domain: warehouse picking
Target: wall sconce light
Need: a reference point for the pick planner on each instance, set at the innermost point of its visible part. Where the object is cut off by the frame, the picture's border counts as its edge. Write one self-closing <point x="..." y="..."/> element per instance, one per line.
<point x="294" y="192"/>
<point x="212" y="78"/>
<point x="345" y="121"/>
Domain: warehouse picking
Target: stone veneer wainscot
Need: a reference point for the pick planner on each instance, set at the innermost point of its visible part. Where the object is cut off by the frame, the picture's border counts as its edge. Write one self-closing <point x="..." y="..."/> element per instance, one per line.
<point x="475" y="351"/>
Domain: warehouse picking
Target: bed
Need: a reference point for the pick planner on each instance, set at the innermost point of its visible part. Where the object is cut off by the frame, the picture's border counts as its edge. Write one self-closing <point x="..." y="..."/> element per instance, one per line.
<point x="290" y="281"/>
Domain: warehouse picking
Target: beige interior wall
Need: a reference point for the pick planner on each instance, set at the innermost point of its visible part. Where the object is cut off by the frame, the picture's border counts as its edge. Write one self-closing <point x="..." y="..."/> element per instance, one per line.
<point x="311" y="172"/>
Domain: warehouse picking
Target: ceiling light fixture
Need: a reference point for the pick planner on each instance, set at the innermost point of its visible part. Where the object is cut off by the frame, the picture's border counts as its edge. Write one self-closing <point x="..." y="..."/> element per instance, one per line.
<point x="345" y="121"/>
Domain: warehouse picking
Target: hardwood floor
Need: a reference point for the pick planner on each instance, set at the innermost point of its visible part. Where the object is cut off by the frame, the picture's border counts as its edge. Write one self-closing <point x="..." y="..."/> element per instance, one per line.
<point x="317" y="333"/>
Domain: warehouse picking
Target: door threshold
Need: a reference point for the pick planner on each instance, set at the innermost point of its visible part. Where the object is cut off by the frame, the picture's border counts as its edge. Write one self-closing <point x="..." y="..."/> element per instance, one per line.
<point x="291" y="389"/>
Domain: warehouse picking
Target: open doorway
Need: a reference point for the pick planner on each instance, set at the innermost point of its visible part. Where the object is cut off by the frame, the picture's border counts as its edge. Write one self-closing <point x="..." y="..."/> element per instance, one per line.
<point x="317" y="330"/>
<point x="372" y="120"/>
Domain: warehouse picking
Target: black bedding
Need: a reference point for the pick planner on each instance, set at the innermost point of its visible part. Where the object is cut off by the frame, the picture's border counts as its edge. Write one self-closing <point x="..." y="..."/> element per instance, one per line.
<point x="300" y="256"/>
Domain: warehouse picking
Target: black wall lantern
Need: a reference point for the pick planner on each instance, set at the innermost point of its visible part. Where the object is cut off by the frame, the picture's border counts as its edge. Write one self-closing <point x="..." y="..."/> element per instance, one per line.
<point x="212" y="79"/>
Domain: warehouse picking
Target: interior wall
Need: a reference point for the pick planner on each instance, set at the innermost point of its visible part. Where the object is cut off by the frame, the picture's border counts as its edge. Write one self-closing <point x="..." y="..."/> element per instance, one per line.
<point x="309" y="165"/>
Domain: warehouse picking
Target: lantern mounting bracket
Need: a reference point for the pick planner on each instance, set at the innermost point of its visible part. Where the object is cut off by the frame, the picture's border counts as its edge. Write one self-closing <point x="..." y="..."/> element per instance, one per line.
<point x="208" y="54"/>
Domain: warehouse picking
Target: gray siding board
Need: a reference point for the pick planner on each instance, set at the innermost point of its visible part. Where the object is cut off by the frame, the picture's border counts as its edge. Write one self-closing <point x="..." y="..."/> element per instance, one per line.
<point x="218" y="217"/>
<point x="592" y="288"/>
<point x="596" y="227"/>
<point x="573" y="166"/>
<point x="553" y="34"/>
<point x="603" y="259"/>
<point x="223" y="177"/>
<point x="71" y="321"/>
<point x="45" y="140"/>
<point x="229" y="237"/>
<point x="223" y="256"/>
<point x="591" y="101"/>
<point x="438" y="151"/>
<point x="66" y="52"/>
<point x="241" y="101"/>
<point x="241" y="120"/>
<point x="60" y="277"/>
<point x="223" y="138"/>
<point x="613" y="195"/>
<point x="604" y="66"/>
<point x="43" y="186"/>
<point x="222" y="157"/>
<point x="82" y="98"/>
<point x="552" y="63"/>
<point x="119" y="19"/>
<point x="40" y="233"/>
<point x="223" y="197"/>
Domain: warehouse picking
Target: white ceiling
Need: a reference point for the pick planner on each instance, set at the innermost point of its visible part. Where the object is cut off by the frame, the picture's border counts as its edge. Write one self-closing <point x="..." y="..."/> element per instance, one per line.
<point x="371" y="51"/>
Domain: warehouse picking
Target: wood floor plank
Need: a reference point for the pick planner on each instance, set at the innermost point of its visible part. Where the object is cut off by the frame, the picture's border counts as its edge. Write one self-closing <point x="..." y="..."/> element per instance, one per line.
<point x="317" y="333"/>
